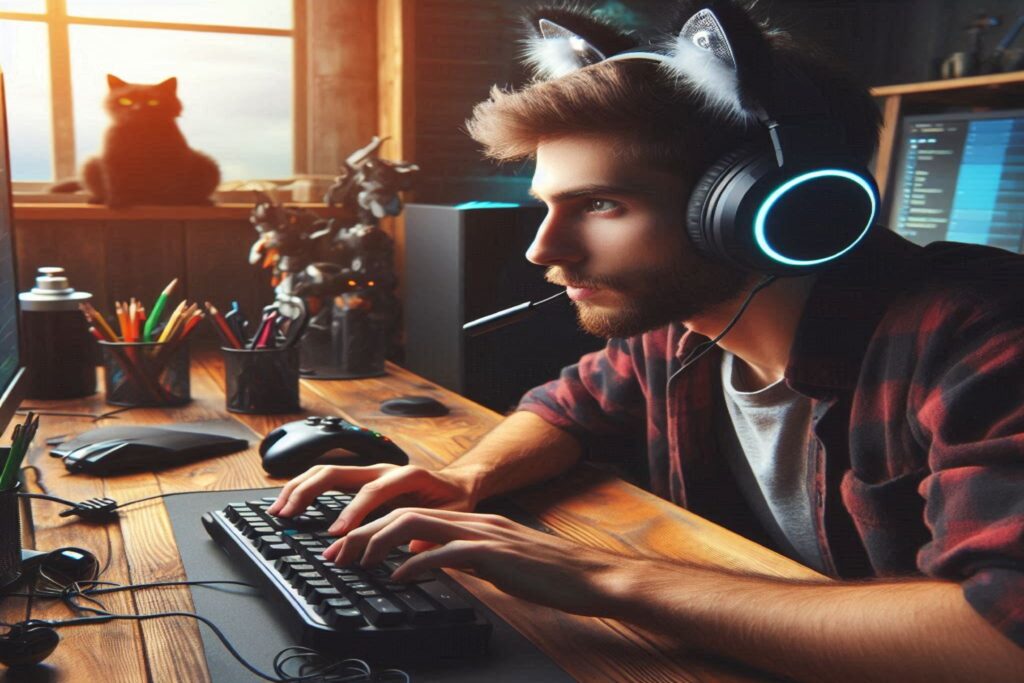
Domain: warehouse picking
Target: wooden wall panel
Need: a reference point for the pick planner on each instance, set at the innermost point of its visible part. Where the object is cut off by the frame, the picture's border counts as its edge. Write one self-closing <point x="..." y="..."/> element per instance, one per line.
<point x="217" y="254"/>
<point x="118" y="259"/>
<point x="142" y="257"/>
<point x="76" y="246"/>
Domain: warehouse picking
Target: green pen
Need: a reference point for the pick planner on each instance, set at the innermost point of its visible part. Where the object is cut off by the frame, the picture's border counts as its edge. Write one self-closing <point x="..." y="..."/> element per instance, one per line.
<point x="20" y="439"/>
<point x="158" y="309"/>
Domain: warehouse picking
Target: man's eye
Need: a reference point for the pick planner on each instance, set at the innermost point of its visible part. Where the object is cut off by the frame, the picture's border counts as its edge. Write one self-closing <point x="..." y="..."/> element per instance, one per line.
<point x="602" y="205"/>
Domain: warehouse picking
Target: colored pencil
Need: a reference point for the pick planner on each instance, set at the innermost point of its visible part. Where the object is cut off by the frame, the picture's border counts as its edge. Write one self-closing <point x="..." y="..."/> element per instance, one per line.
<point x="158" y="309"/>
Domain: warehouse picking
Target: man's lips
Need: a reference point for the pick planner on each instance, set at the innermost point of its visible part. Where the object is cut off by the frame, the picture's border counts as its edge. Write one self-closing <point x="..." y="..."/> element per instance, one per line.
<point x="580" y="293"/>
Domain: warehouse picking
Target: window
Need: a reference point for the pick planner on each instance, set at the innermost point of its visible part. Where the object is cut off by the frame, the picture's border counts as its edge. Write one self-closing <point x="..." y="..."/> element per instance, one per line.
<point x="233" y="60"/>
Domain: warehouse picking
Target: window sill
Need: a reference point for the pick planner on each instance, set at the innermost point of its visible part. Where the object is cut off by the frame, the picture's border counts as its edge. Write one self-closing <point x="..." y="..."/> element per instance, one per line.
<point x="38" y="211"/>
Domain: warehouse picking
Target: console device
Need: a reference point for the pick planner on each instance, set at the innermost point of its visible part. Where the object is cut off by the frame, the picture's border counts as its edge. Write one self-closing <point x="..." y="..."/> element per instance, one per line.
<point x="295" y="447"/>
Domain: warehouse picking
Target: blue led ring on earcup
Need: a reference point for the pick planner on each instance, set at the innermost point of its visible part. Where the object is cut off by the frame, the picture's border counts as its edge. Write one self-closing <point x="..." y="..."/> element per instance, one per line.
<point x="749" y="212"/>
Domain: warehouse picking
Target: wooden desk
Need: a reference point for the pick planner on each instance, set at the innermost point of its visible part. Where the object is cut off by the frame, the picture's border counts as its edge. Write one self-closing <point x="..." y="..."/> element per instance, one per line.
<point x="585" y="505"/>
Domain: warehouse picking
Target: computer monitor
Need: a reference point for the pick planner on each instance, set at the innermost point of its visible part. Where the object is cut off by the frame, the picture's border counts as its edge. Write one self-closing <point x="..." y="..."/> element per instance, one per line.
<point x="960" y="177"/>
<point x="12" y="374"/>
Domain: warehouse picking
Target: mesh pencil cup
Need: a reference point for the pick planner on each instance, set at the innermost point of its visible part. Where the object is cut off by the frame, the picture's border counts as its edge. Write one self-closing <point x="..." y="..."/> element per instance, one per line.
<point x="10" y="532"/>
<point x="146" y="373"/>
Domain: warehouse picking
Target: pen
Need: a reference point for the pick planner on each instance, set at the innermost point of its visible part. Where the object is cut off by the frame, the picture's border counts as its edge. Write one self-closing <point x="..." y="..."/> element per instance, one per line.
<point x="158" y="309"/>
<point x="22" y="440"/>
<point x="222" y="328"/>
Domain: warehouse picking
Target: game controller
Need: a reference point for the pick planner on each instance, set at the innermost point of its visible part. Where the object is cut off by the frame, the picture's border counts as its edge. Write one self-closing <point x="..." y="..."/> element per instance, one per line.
<point x="295" y="447"/>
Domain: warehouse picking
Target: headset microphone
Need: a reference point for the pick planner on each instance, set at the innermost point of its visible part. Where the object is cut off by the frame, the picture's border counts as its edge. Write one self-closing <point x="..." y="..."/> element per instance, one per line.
<point x="509" y="316"/>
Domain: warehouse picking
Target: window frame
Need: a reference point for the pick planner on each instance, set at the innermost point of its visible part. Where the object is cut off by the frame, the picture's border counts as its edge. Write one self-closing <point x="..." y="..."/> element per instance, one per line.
<point x="58" y="21"/>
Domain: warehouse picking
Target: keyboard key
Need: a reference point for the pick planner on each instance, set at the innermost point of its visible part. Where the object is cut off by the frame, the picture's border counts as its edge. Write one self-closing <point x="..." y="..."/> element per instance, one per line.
<point x="456" y="608"/>
<point x="380" y="611"/>
<point x="344" y="618"/>
<point x="420" y="609"/>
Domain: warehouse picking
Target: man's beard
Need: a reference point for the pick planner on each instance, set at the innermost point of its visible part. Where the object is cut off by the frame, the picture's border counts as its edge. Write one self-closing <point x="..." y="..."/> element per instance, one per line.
<point x="688" y="286"/>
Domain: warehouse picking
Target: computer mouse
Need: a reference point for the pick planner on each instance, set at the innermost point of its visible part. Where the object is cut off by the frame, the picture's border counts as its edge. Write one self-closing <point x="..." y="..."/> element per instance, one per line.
<point x="152" y="452"/>
<point x="69" y="565"/>
<point x="414" y="406"/>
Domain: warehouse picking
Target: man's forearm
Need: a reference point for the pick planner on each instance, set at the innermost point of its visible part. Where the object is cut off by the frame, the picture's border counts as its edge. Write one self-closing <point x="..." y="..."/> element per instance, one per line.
<point x="885" y="631"/>
<point x="522" y="450"/>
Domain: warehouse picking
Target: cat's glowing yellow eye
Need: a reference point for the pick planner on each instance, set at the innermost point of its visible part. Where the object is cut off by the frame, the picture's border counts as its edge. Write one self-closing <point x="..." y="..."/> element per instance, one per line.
<point x="125" y="101"/>
<point x="152" y="103"/>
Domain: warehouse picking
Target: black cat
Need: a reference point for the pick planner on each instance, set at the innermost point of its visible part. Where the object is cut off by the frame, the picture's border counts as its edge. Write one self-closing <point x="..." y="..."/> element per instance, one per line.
<point x="145" y="158"/>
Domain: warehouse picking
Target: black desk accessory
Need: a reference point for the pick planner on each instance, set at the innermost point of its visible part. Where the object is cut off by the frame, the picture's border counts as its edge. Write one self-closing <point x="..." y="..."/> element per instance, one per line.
<point x="249" y="620"/>
<point x="294" y="447"/>
<point x="413" y="406"/>
<point x="116" y="450"/>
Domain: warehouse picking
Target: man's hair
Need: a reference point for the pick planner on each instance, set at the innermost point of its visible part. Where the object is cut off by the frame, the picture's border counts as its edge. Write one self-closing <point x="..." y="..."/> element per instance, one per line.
<point x="658" y="120"/>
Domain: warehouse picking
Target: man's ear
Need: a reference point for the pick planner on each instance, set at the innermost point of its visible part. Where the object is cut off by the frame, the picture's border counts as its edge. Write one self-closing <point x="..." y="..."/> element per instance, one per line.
<point x="114" y="82"/>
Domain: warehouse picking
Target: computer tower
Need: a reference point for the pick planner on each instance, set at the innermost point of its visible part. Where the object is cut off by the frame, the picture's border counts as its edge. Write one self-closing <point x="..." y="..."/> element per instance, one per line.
<point x="464" y="262"/>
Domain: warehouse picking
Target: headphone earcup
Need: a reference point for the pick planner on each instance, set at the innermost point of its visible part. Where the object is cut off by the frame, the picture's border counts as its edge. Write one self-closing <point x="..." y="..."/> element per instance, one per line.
<point x="26" y="645"/>
<point x="699" y="231"/>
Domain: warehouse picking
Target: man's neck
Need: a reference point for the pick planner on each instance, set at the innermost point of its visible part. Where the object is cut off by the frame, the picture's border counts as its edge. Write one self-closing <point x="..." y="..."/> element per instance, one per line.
<point x="763" y="336"/>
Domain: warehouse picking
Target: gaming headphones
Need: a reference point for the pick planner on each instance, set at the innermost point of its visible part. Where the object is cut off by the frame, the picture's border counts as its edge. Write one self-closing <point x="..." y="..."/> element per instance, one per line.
<point x="792" y="203"/>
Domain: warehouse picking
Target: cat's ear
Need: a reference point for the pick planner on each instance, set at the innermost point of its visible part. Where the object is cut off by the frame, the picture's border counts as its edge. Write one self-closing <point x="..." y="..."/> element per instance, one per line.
<point x="563" y="39"/>
<point x="114" y="82"/>
<point x="720" y="49"/>
<point x="170" y="85"/>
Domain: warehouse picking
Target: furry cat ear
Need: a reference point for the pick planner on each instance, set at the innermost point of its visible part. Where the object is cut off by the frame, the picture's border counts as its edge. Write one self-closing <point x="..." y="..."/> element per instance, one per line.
<point x="170" y="85"/>
<point x="114" y="82"/>
<point x="720" y="50"/>
<point x="564" y="39"/>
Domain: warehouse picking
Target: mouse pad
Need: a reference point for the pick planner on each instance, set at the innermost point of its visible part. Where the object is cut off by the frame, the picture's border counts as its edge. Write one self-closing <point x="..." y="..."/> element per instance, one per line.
<point x="249" y="623"/>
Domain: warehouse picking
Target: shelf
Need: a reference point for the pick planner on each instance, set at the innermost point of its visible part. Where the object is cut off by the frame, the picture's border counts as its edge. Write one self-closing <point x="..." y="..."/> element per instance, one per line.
<point x="32" y="211"/>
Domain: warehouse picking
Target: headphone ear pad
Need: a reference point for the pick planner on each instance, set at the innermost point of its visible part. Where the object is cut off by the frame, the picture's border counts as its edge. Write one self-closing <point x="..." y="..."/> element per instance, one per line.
<point x="27" y="645"/>
<point x="700" y="234"/>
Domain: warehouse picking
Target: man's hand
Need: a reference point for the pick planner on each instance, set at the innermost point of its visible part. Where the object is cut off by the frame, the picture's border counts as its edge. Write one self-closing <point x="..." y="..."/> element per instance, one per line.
<point x="377" y="485"/>
<point x="528" y="564"/>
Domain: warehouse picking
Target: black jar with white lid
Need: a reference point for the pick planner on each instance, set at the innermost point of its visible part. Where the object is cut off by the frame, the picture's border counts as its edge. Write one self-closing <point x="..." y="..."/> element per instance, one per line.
<point x="59" y="352"/>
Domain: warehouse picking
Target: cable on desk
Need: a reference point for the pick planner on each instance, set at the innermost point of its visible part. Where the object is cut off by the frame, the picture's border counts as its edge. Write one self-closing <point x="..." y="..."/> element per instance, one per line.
<point x="314" y="667"/>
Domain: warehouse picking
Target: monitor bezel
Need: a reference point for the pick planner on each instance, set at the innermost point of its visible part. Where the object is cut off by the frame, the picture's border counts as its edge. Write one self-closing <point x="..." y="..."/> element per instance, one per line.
<point x="900" y="151"/>
<point x="14" y="393"/>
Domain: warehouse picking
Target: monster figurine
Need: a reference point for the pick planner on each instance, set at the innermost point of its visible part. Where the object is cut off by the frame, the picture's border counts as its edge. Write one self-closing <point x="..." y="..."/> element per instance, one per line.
<point x="343" y="267"/>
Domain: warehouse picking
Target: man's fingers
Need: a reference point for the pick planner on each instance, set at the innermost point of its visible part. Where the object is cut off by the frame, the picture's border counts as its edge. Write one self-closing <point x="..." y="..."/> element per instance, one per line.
<point x="370" y="544"/>
<point x="462" y="555"/>
<point x="300" y="492"/>
<point x="375" y="493"/>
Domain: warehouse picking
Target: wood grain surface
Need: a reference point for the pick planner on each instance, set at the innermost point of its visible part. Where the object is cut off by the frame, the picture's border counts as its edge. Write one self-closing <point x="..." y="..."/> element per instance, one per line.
<point x="585" y="505"/>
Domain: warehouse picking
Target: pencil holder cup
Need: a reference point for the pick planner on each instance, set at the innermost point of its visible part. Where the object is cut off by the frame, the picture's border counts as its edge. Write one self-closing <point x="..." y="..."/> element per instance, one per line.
<point x="146" y="373"/>
<point x="261" y="381"/>
<point x="10" y="532"/>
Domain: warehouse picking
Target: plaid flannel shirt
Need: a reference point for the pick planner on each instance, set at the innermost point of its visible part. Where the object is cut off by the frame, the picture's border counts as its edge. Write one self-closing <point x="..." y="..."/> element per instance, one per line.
<point x="914" y="360"/>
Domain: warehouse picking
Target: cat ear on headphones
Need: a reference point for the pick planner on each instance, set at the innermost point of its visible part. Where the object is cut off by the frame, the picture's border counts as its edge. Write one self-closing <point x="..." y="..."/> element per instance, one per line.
<point x="720" y="50"/>
<point x="564" y="39"/>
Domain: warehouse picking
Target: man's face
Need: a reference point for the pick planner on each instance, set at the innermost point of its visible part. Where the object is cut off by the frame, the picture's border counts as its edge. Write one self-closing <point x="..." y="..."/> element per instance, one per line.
<point x="615" y="237"/>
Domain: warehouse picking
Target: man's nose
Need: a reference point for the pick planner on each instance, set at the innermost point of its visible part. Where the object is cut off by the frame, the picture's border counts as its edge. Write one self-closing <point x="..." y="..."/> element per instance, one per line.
<point x="556" y="242"/>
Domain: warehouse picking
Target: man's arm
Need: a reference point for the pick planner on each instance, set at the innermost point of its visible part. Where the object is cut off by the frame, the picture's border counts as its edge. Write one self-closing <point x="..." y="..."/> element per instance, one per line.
<point x="913" y="630"/>
<point x="522" y="450"/>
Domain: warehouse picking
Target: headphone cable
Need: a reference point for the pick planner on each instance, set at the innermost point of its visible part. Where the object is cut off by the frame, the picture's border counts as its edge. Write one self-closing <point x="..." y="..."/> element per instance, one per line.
<point x="704" y="347"/>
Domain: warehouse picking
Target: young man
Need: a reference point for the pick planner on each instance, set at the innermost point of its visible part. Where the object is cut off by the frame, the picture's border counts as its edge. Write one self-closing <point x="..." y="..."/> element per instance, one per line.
<point x="865" y="419"/>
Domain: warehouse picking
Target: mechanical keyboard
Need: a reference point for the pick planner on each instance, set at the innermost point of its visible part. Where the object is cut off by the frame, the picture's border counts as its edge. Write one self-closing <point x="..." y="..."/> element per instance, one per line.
<point x="346" y="611"/>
